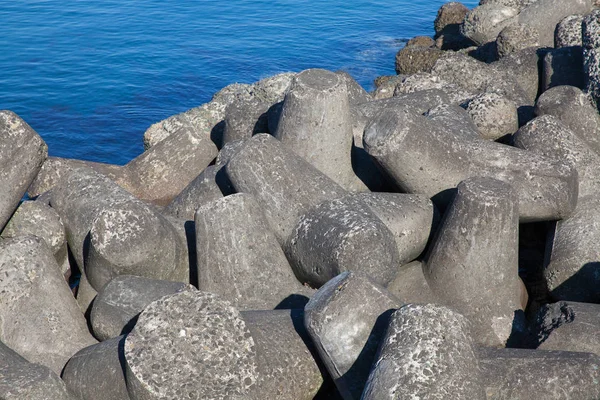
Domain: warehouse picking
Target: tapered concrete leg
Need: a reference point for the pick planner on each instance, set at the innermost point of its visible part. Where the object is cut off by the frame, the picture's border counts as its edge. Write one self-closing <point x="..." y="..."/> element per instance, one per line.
<point x="426" y="353"/>
<point x="473" y="264"/>
<point x="315" y="123"/>
<point x="347" y="319"/>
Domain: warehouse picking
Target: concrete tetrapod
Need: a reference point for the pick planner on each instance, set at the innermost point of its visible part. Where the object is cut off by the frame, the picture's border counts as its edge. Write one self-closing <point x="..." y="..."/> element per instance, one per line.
<point x="422" y="157"/>
<point x="282" y="182"/>
<point x="550" y="137"/>
<point x="569" y="326"/>
<point x="20" y="379"/>
<point x="96" y="372"/>
<point x="427" y="353"/>
<point x="111" y="233"/>
<point x="590" y="29"/>
<point x="38" y="219"/>
<point x="347" y="319"/>
<point x="341" y="235"/>
<point x="190" y="345"/>
<point x="121" y="300"/>
<point x="571" y="265"/>
<point x="22" y="153"/>
<point x="521" y="374"/>
<point x="473" y="263"/>
<point x="239" y="258"/>
<point x="40" y="319"/>
<point x="315" y="123"/>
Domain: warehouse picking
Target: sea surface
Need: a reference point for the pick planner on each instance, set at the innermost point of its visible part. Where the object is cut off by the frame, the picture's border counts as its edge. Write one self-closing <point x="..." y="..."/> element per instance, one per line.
<point x="91" y="76"/>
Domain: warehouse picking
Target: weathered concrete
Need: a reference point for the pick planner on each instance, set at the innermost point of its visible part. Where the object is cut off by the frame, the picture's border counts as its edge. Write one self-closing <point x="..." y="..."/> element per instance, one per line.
<point x="85" y="295"/>
<point x="523" y="67"/>
<point x="414" y="59"/>
<point x="575" y="109"/>
<point x="423" y="157"/>
<point x="494" y="115"/>
<point x="315" y="123"/>
<point x="410" y="285"/>
<point x="568" y="32"/>
<point x="563" y="66"/>
<point x="284" y="183"/>
<point x="410" y="218"/>
<point x="548" y="136"/>
<point x="121" y="300"/>
<point x="482" y="24"/>
<point x="22" y="153"/>
<point x="347" y="319"/>
<point x="40" y="319"/>
<point x="287" y="364"/>
<point x="426" y="353"/>
<point x="571" y="270"/>
<point x="239" y="258"/>
<point x="473" y="264"/>
<point x="535" y="374"/>
<point x="341" y="235"/>
<point x="569" y="326"/>
<point x="544" y="15"/>
<point x="454" y="118"/>
<point x="244" y="118"/>
<point x="117" y="233"/>
<point x="516" y="37"/>
<point x="190" y="344"/>
<point x="356" y="93"/>
<point x="590" y="29"/>
<point x="20" y="379"/>
<point x="202" y="190"/>
<point x="449" y="17"/>
<point x="97" y="372"/>
<point x="38" y="219"/>
<point x="426" y="81"/>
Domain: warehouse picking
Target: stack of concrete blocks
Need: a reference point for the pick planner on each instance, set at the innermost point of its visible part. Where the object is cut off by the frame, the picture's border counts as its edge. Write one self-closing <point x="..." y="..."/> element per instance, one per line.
<point x="300" y="238"/>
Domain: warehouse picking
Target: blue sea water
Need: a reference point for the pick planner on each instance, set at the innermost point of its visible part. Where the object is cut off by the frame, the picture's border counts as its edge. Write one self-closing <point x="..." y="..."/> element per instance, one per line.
<point x="91" y="76"/>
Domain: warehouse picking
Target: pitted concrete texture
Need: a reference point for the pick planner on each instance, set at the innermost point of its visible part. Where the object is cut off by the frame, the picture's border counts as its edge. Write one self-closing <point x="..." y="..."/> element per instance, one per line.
<point x="483" y="23"/>
<point x="38" y="219"/>
<point x="568" y="32"/>
<point x="122" y="299"/>
<point x="516" y="37"/>
<point x="40" y="319"/>
<point x="281" y="181"/>
<point x="590" y="28"/>
<point x="22" y="153"/>
<point x="190" y="345"/>
<point x="494" y="115"/>
<point x="427" y="353"/>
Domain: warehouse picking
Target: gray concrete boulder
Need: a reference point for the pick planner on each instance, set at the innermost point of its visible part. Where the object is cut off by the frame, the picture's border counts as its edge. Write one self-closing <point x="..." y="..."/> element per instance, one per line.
<point x="410" y="218"/>
<point x="548" y="136"/>
<point x="341" y="235"/>
<point x="544" y="15"/>
<point x="427" y="352"/>
<point x="571" y="271"/>
<point x="288" y="367"/>
<point x="118" y="233"/>
<point x="40" y="319"/>
<point x="284" y="183"/>
<point x="202" y="190"/>
<point x="85" y="294"/>
<point x="523" y="67"/>
<point x="413" y="59"/>
<point x="239" y="258"/>
<point x="569" y="326"/>
<point x="455" y="118"/>
<point x="516" y="37"/>
<point x="427" y="82"/>
<point x="590" y="28"/>
<point x="517" y="4"/>
<point x="494" y="115"/>
<point x="316" y="124"/>
<point x="244" y="118"/>
<point x="473" y="263"/>
<point x="410" y="285"/>
<point x="575" y="109"/>
<point x="21" y="379"/>
<point x="121" y="300"/>
<point x="563" y="66"/>
<point x="449" y="17"/>
<point x="347" y="319"/>
<point x="38" y="219"/>
<point x="423" y="157"/>
<point x="22" y="153"/>
<point x="536" y="374"/>
<point x="483" y="23"/>
<point x="356" y="93"/>
<point x="190" y="344"/>
<point x="96" y="372"/>
<point x="568" y="32"/>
